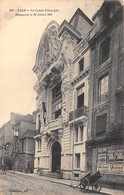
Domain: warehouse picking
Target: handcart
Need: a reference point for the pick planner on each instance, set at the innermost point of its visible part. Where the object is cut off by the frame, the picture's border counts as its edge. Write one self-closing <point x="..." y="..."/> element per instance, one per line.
<point x="87" y="180"/>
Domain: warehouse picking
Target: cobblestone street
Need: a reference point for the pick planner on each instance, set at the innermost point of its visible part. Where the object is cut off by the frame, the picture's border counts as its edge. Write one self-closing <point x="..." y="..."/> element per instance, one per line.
<point x="11" y="184"/>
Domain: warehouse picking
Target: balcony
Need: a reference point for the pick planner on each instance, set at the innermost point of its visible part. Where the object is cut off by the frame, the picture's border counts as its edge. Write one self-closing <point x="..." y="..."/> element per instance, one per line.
<point x="54" y="124"/>
<point x="78" y="113"/>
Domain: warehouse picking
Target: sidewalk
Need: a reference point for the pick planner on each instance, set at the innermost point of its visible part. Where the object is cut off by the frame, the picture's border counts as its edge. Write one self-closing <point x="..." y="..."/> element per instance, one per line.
<point x="70" y="183"/>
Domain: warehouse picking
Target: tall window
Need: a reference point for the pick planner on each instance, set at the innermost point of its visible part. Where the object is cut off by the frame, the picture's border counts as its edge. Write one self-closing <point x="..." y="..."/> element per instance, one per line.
<point x="103" y="88"/>
<point x="80" y="97"/>
<point x="56" y="109"/>
<point x="105" y="50"/>
<point x="79" y="134"/>
<point x="81" y="65"/>
<point x="56" y="92"/>
<point x="56" y="101"/>
<point x="38" y="161"/>
<point x="77" y="160"/>
<point x="38" y="145"/>
<point x="76" y="134"/>
<point x="101" y="122"/>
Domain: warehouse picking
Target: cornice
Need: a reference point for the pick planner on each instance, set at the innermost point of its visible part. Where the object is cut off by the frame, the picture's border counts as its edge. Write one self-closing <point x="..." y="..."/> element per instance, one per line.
<point x="113" y="139"/>
<point x="81" y="76"/>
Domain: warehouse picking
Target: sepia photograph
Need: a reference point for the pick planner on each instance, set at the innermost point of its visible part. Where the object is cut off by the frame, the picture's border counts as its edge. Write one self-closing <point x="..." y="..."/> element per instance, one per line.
<point x="61" y="97"/>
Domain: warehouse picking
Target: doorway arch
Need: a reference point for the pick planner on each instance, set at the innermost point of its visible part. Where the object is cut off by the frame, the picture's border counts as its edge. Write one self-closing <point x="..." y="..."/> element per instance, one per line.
<point x="56" y="157"/>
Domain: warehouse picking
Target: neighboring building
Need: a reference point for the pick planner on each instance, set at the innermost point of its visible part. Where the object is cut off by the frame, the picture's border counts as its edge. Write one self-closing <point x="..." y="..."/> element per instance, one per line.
<point x="6" y="140"/>
<point x="6" y="145"/>
<point x="62" y="69"/>
<point x="26" y="153"/>
<point x="25" y="145"/>
<point x="10" y="146"/>
<point x="105" y="145"/>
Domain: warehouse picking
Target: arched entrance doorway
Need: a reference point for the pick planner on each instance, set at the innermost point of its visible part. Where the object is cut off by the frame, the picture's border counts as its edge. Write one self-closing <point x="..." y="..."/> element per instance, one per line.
<point x="56" y="157"/>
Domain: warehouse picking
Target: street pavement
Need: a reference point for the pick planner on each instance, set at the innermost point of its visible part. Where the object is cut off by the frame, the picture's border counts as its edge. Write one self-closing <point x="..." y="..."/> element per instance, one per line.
<point x="32" y="184"/>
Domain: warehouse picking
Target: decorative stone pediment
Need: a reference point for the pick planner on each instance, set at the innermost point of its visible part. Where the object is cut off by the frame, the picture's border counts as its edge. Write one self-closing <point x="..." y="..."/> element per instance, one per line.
<point x="53" y="136"/>
<point x="49" y="47"/>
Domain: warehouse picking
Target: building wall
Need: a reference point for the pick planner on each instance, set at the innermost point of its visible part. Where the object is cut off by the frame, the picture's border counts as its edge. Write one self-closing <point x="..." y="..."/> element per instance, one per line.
<point x="26" y="157"/>
<point x="24" y="125"/>
<point x="81" y="22"/>
<point x="60" y="131"/>
<point x="105" y="149"/>
<point x="7" y="140"/>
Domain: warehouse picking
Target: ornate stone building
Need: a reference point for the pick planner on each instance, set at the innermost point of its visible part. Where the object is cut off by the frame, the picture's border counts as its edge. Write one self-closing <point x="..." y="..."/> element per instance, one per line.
<point x="62" y="69"/>
<point x="105" y="145"/>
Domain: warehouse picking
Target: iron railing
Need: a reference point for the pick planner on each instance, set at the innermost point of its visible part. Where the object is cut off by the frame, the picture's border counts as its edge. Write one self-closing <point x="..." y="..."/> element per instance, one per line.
<point x="78" y="113"/>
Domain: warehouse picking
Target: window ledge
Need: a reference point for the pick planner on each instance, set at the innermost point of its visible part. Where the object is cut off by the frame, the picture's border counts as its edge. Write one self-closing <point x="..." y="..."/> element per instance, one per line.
<point x="105" y="62"/>
<point x="78" y="143"/>
<point x="76" y="169"/>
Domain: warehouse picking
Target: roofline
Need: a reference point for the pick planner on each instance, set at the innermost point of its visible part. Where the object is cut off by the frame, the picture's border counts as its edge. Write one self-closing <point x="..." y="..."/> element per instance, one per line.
<point x="103" y="4"/>
<point x="83" y="14"/>
<point x="67" y="25"/>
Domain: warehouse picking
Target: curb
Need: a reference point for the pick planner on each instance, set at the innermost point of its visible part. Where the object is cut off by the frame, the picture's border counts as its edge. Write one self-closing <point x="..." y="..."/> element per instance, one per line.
<point x="104" y="191"/>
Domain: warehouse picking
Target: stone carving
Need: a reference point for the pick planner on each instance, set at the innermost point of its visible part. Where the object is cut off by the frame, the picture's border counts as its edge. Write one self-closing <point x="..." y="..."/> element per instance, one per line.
<point x="37" y="88"/>
<point x="69" y="39"/>
<point x="42" y="95"/>
<point x="38" y="73"/>
<point x="50" y="47"/>
<point x="65" y="75"/>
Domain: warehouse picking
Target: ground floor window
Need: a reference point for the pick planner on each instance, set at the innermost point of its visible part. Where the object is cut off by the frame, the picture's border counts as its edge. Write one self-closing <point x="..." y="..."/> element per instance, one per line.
<point x="77" y="160"/>
<point x="38" y="161"/>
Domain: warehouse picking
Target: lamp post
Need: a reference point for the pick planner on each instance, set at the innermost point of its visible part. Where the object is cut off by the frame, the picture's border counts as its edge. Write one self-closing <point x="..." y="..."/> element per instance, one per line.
<point x="15" y="146"/>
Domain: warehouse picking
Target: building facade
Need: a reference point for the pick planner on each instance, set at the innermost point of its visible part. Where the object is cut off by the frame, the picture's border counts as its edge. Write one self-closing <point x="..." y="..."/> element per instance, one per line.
<point x="105" y="145"/>
<point x="62" y="69"/>
<point x="26" y="153"/>
<point x="12" y="134"/>
<point x="24" y="143"/>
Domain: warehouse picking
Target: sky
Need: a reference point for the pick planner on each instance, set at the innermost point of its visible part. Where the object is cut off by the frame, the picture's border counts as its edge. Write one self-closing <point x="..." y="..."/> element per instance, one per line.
<point x="19" y="40"/>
